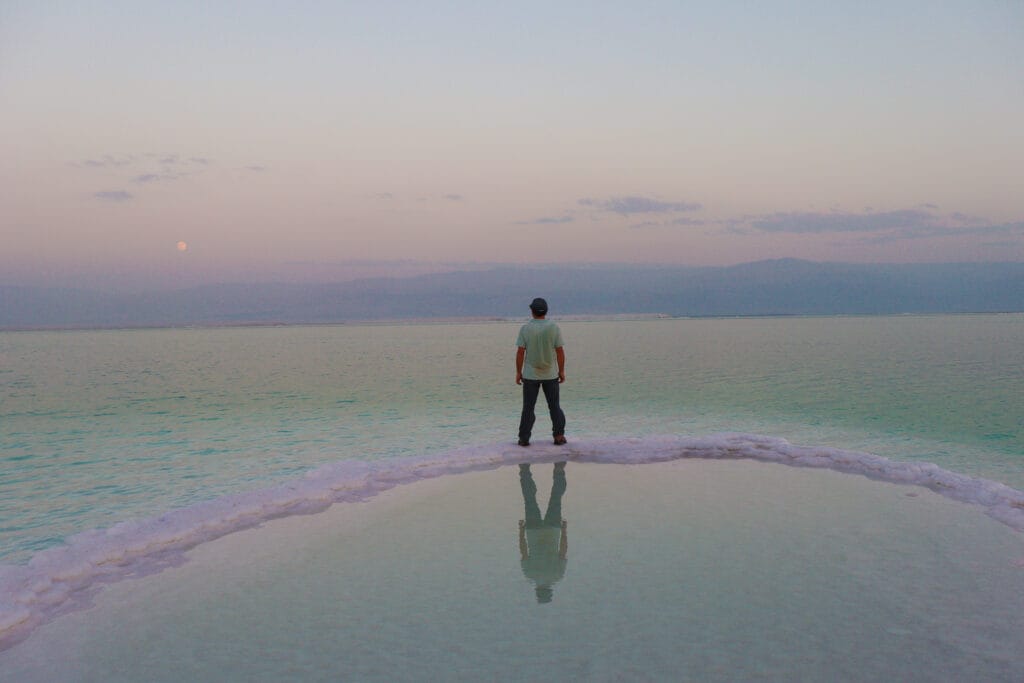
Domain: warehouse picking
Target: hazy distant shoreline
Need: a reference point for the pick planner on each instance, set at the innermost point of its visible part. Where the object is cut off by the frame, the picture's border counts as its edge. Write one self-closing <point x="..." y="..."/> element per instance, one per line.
<point x="779" y="288"/>
<point x="492" y="320"/>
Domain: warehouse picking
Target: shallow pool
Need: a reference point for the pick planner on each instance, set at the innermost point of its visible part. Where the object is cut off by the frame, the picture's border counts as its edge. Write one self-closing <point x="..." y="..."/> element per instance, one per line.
<point x="687" y="570"/>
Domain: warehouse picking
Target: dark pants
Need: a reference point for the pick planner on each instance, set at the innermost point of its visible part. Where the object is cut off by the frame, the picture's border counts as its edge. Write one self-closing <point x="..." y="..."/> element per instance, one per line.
<point x="553" y="516"/>
<point x="531" y="388"/>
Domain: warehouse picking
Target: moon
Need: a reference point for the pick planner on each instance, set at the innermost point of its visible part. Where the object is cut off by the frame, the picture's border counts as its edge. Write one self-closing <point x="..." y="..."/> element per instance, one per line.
<point x="182" y="246"/>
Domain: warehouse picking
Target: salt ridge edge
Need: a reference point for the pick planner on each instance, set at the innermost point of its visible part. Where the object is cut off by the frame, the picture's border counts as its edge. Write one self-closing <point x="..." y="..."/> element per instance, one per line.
<point x="64" y="578"/>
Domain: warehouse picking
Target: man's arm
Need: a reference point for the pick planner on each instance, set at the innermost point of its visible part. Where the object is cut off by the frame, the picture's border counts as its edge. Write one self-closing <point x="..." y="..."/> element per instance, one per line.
<point x="560" y="355"/>
<point x="520" y="357"/>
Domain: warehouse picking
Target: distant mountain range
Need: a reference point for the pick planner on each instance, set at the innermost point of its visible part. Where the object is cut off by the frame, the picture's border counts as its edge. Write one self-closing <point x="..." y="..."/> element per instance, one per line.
<point x="778" y="287"/>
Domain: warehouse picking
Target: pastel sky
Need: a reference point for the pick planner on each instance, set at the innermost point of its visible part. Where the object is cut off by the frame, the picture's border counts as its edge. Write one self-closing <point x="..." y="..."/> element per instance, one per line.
<point x="315" y="140"/>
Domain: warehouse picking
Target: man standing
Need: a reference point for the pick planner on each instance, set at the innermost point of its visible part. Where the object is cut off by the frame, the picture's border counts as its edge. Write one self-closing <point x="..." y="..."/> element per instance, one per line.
<point x="539" y="348"/>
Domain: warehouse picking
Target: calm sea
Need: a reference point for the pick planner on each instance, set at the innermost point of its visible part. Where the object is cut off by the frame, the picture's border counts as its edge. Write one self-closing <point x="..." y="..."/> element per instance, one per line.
<point x="98" y="427"/>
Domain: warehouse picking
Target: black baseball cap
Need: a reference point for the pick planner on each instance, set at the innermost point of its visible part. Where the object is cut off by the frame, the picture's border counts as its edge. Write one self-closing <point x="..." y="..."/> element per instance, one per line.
<point x="539" y="306"/>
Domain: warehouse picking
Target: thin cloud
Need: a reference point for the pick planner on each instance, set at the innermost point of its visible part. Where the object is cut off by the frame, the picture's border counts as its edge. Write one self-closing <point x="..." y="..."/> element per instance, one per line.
<point x="156" y="177"/>
<point x="547" y="220"/>
<point x="1003" y="244"/>
<point x="632" y="204"/>
<point x="105" y="161"/>
<point x="256" y="168"/>
<point x="940" y="231"/>
<point x="172" y="159"/>
<point x="453" y="197"/>
<point x="687" y="221"/>
<point x="113" y="161"/>
<point x="810" y="222"/>
<point x="683" y="221"/>
<point x="113" y="196"/>
<point x="968" y="219"/>
<point x="881" y="227"/>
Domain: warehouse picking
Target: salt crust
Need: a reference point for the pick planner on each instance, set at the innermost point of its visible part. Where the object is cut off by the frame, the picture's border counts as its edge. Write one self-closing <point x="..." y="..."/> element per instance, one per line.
<point x="63" y="578"/>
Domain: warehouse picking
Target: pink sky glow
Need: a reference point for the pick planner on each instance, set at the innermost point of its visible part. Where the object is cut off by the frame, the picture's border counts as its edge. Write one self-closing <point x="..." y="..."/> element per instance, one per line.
<point x="320" y="143"/>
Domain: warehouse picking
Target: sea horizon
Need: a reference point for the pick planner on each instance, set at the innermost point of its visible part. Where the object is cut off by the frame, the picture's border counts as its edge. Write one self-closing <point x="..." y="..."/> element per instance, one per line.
<point x="460" y="320"/>
<point x="769" y="288"/>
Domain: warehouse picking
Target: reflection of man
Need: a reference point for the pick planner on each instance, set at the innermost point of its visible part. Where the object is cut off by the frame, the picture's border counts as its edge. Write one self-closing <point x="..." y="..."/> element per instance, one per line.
<point x="543" y="541"/>
<point x="540" y="365"/>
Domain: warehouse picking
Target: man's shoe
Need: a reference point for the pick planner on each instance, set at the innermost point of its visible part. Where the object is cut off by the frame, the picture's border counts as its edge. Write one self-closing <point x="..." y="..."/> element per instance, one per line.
<point x="524" y="442"/>
<point x="560" y="440"/>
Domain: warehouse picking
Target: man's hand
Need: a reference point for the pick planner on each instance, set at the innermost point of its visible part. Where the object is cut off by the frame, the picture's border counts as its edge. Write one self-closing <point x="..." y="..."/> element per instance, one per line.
<point x="561" y="377"/>
<point x="519" y="378"/>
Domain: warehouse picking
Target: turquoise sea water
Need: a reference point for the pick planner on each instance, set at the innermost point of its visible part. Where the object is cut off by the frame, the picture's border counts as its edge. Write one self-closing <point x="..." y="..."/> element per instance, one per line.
<point x="103" y="426"/>
<point x="138" y="452"/>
